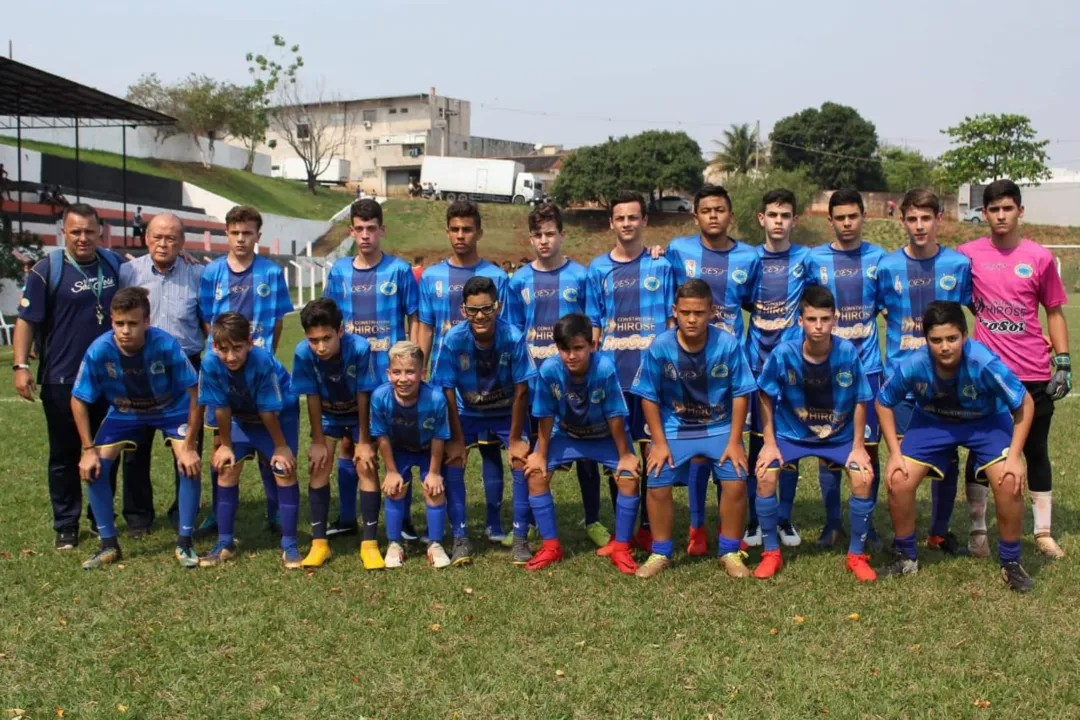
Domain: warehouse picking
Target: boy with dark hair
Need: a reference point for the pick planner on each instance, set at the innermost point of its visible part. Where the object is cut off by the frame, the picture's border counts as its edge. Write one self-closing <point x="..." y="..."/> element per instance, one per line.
<point x="256" y="412"/>
<point x="333" y="369"/>
<point x="694" y="384"/>
<point x="582" y="415"/>
<point x="963" y="395"/>
<point x="1011" y="277"/>
<point x="484" y="368"/>
<point x="150" y="385"/>
<point x="813" y="401"/>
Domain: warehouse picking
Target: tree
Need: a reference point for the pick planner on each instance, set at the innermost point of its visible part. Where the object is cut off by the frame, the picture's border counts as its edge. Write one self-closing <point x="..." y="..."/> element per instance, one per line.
<point x="746" y="191"/>
<point x="590" y="174"/>
<point x="834" y="145"/>
<point x="991" y="147"/>
<point x="905" y="169"/>
<point x="315" y="130"/>
<point x="252" y="118"/>
<point x="738" y="153"/>
<point x="203" y="107"/>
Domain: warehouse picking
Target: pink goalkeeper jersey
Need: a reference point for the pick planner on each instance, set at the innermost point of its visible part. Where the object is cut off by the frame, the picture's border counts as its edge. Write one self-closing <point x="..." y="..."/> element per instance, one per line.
<point x="1008" y="287"/>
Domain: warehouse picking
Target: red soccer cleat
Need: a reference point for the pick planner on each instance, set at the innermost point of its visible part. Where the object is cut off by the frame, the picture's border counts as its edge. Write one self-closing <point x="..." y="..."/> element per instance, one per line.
<point x="550" y="551"/>
<point x="770" y="564"/>
<point x="643" y="539"/>
<point x="860" y="565"/>
<point x="622" y="559"/>
<point x="699" y="542"/>
<point x="611" y="546"/>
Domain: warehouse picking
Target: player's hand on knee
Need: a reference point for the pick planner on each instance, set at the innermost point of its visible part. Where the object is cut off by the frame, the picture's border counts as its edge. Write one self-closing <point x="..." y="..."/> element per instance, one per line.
<point x="1013" y="475"/>
<point x="768" y="455"/>
<point x="318" y="455"/>
<point x="364" y="458"/>
<point x="628" y="467"/>
<point x="282" y="461"/>
<point x="535" y="465"/>
<point x="393" y="485"/>
<point x="455" y="453"/>
<point x="189" y="462"/>
<point x="659" y="456"/>
<point x="519" y="451"/>
<point x="89" y="464"/>
<point x="737" y="455"/>
<point x="433" y="484"/>
<point x="223" y="458"/>
<point x="896" y="471"/>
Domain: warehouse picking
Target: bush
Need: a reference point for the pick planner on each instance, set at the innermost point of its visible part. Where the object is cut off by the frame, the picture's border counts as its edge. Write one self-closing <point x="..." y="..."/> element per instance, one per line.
<point x="746" y="193"/>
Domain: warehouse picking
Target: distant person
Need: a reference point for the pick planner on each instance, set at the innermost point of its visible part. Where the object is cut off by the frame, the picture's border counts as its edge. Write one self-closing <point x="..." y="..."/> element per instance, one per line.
<point x="418" y="267"/>
<point x="138" y="227"/>
<point x="5" y="183"/>
<point x="891" y="207"/>
<point x="508" y="267"/>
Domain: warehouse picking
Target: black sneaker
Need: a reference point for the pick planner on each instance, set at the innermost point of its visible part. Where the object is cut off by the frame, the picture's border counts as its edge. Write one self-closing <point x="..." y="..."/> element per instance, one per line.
<point x="947" y="544"/>
<point x="67" y="539"/>
<point x="901" y="565"/>
<point x="341" y="529"/>
<point x="138" y="533"/>
<point x="1016" y="577"/>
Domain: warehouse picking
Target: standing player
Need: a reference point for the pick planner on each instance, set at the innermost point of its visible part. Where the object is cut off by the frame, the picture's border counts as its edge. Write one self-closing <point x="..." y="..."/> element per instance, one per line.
<point x="333" y="369"/>
<point x="378" y="299"/>
<point x="909" y="279"/>
<point x="540" y="293"/>
<point x="773" y="319"/>
<point x="628" y="297"/>
<point x="694" y="384"/>
<point x="1011" y="277"/>
<point x="848" y="267"/>
<point x="150" y="385"/>
<point x="582" y="414"/>
<point x="245" y="283"/>
<point x="256" y="412"/>
<point x="440" y="298"/>
<point x="484" y="368"/>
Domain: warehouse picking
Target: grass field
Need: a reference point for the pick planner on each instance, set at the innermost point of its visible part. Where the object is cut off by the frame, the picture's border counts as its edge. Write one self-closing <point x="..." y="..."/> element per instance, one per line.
<point x="147" y="639"/>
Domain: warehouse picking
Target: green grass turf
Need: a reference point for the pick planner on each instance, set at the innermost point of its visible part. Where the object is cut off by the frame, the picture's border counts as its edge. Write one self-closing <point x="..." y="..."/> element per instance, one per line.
<point x="493" y="640"/>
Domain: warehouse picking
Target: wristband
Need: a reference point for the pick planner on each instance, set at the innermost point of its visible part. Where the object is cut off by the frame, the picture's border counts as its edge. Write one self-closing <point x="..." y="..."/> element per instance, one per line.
<point x="1063" y="361"/>
<point x="19" y="366"/>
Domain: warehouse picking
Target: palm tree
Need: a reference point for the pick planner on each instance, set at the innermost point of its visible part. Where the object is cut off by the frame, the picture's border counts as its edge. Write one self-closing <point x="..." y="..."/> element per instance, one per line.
<point x="738" y="151"/>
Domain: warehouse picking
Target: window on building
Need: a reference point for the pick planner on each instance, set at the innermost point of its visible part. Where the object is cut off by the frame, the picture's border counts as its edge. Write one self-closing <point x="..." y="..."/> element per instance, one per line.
<point x="465" y="145"/>
<point x="303" y="131"/>
<point x="404" y="110"/>
<point x="393" y="111"/>
<point x="369" y="116"/>
<point x="367" y="174"/>
<point x="370" y="145"/>
<point x="412" y="150"/>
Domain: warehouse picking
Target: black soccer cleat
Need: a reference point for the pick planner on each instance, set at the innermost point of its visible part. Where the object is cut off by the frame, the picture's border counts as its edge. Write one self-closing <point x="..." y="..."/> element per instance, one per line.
<point x="1016" y="577"/>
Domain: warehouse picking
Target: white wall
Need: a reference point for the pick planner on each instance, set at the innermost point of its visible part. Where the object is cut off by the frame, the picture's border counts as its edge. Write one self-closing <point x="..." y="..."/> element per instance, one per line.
<point x="31" y="164"/>
<point x="286" y="229"/>
<point x="10" y="292"/>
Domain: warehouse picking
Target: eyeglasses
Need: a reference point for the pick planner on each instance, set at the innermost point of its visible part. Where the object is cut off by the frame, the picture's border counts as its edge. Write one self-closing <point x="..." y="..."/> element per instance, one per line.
<point x="474" y="310"/>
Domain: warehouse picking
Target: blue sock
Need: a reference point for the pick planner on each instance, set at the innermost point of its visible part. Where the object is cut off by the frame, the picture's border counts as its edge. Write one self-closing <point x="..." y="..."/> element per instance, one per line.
<point x="319" y="504"/>
<point x="588" y="476"/>
<point x="188" y="503"/>
<point x="663" y="547"/>
<point x="767" y="518"/>
<point x="697" y="485"/>
<point x="859" y="511"/>
<point x="830" y="495"/>
<point x="906" y="546"/>
<point x="270" y="487"/>
<point x="626" y="512"/>
<point x="521" y="502"/>
<point x="943" y="497"/>
<point x="289" y="508"/>
<point x="228" y="499"/>
<point x="347" y="484"/>
<point x="395" y="518"/>
<point x="101" y="501"/>
<point x="787" y="483"/>
<point x="213" y="491"/>
<point x="727" y="545"/>
<point x="436" y="522"/>
<point x="455" y="500"/>
<point x="491" y="470"/>
<point x="1007" y="551"/>
<point x="543" y="507"/>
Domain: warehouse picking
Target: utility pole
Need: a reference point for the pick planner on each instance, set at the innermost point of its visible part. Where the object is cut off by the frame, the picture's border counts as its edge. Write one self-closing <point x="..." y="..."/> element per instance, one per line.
<point x="757" y="144"/>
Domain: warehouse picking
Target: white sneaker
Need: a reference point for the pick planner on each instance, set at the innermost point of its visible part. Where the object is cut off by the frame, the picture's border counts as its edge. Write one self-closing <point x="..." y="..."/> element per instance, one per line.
<point x="753" y="539"/>
<point x="395" y="555"/>
<point x="789" y="536"/>
<point x="436" y="556"/>
<point x="1047" y="546"/>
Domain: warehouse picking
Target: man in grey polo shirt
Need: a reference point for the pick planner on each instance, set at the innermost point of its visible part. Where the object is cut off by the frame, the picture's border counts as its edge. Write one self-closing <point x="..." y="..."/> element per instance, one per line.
<point x="174" y="307"/>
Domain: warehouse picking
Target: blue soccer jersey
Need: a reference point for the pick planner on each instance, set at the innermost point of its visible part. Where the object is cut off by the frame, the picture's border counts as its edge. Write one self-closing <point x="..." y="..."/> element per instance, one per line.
<point x="484" y="378"/>
<point x="983" y="385"/>
<point x="261" y="385"/>
<point x="536" y="299"/>
<point x="374" y="303"/>
<point x="852" y="276"/>
<point x="775" y="309"/>
<point x="337" y="380"/>
<point x="440" y="295"/>
<point x="409" y="428"/>
<point x="732" y="274"/>
<point x="694" y="390"/>
<point x="151" y="384"/>
<point x="581" y="408"/>
<point x="815" y="401"/>
<point x="630" y="303"/>
<point x="259" y="293"/>
<point x="906" y="286"/>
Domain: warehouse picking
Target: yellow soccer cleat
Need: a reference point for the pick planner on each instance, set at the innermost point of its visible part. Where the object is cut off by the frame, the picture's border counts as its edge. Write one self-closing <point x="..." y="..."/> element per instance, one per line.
<point x="317" y="555"/>
<point x="370" y="555"/>
<point x="734" y="565"/>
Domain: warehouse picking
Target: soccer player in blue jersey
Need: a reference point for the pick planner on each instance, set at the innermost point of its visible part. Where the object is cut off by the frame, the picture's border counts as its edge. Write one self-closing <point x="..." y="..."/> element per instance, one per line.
<point x="628" y="299"/>
<point x="848" y="267"/>
<point x="256" y="412"/>
<point x="773" y="320"/>
<point x="694" y="384"/>
<point x="379" y="300"/>
<point x="484" y="368"/>
<point x="582" y="414"/>
<point x="813" y="399"/>
<point x="150" y="384"/>
<point x="440" y="300"/>
<point x="333" y="370"/>
<point x="908" y="280"/>
<point x="540" y="293"/>
<point x="253" y="286"/>
<point x="963" y="395"/>
<point x="410" y="425"/>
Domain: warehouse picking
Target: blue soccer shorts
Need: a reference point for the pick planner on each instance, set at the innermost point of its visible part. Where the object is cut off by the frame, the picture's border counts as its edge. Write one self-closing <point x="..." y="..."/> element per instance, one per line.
<point x="639" y="429"/>
<point x="406" y="460"/>
<point x="564" y="451"/>
<point x="127" y="430"/>
<point x="685" y="450"/>
<point x="251" y="439"/>
<point x="341" y="426"/>
<point x="832" y="453"/>
<point x="486" y="430"/>
<point x="932" y="442"/>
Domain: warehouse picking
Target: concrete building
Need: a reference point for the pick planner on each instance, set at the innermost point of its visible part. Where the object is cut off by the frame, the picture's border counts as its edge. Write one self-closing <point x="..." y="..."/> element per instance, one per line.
<point x="386" y="138"/>
<point x="1053" y="202"/>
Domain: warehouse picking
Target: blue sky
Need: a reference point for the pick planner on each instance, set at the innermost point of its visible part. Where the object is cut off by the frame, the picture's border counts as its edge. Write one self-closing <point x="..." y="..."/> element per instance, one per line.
<point x="575" y="72"/>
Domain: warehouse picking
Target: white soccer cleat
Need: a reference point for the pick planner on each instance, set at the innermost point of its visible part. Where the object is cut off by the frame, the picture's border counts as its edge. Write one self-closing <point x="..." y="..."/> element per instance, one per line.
<point x="753" y="535"/>
<point x="437" y="557"/>
<point x="395" y="556"/>
<point x="789" y="536"/>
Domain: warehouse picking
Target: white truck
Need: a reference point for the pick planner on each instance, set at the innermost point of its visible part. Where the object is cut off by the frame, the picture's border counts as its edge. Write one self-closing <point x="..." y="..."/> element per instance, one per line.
<point x="336" y="173"/>
<point x="479" y="179"/>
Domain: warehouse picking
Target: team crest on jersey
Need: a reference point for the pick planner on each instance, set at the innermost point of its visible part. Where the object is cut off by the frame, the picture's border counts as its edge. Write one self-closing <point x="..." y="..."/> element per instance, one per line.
<point x="1023" y="270"/>
<point x="556" y="392"/>
<point x="262" y="290"/>
<point x="597" y="396"/>
<point x="898" y="286"/>
<point x="947" y="282"/>
<point x="111" y="369"/>
<point x="526" y="296"/>
<point x="429" y="423"/>
<point x="652" y="284"/>
<point x="570" y="295"/>
<point x="610" y="327"/>
<point x="691" y="268"/>
<point x="791" y="379"/>
<point x="464" y="362"/>
<point x="438" y="288"/>
<point x="219" y="292"/>
<point x="844" y="379"/>
<point x="388" y="288"/>
<point x="739" y="276"/>
<point x="824" y="273"/>
<point x="719" y="371"/>
<point x="670" y="372"/>
<point x="504" y="359"/>
<point x="871" y="272"/>
<point x="970" y="392"/>
<point x="798" y="270"/>
<point x="157" y="368"/>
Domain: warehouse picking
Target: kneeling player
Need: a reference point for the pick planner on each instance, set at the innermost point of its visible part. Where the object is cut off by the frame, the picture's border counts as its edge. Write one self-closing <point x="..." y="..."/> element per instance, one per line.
<point x="334" y="371"/>
<point x="256" y="413"/>
<point x="964" y="395"/>
<point x="410" y="427"/>
<point x="150" y="385"/>
<point x="813" y="404"/>
<point x="694" y="384"/>
<point x="582" y="415"/>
